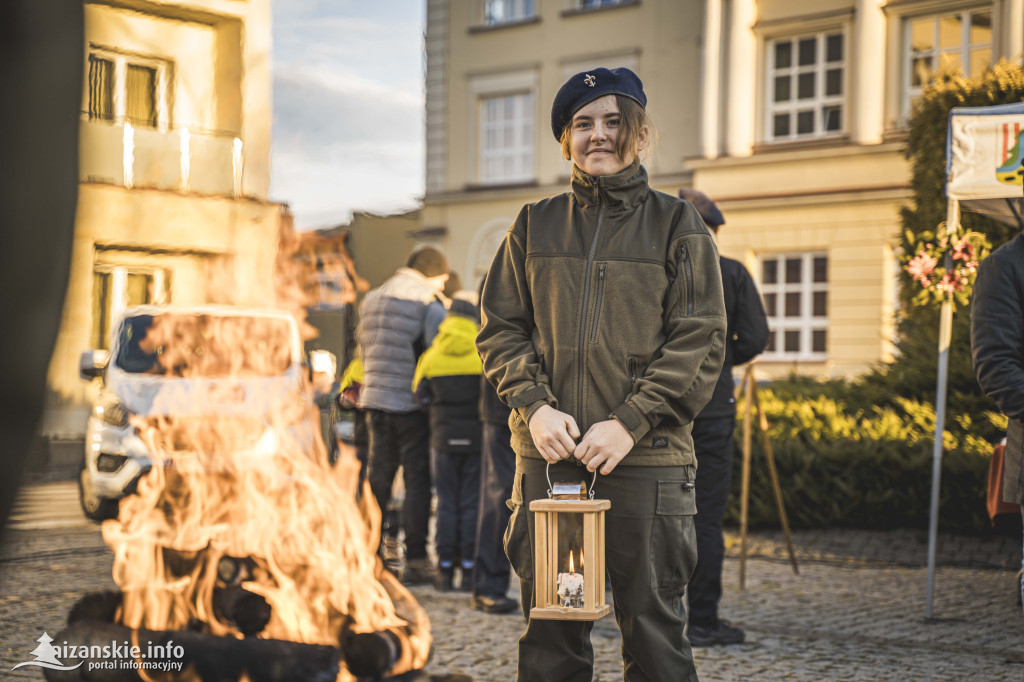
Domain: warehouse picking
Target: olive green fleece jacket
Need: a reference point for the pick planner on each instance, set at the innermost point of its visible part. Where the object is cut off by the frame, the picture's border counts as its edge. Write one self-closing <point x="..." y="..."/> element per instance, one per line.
<point x="606" y="302"/>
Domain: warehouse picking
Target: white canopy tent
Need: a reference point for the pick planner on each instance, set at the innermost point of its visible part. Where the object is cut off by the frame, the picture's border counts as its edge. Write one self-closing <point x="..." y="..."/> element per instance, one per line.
<point x="984" y="173"/>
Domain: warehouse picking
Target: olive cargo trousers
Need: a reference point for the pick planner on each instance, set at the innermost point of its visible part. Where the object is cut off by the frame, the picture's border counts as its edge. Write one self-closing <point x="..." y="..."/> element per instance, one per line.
<point x="651" y="551"/>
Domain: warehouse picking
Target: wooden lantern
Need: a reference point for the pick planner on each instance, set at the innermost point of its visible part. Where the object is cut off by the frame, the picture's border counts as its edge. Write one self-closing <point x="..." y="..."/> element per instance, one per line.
<point x="569" y="554"/>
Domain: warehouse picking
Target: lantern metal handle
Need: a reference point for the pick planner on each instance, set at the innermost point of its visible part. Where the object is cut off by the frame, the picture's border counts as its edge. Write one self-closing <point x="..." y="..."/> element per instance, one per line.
<point x="547" y="474"/>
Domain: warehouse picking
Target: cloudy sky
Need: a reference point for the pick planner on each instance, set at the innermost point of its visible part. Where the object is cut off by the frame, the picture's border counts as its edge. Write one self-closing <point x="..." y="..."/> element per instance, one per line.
<point x="348" y="107"/>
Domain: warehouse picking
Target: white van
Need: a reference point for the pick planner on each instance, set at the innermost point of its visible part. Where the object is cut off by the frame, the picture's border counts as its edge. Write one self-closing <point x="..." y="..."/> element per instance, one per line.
<point x="220" y="368"/>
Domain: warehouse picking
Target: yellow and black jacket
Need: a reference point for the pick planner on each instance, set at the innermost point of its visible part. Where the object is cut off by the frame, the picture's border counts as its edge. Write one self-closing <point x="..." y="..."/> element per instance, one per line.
<point x="447" y="379"/>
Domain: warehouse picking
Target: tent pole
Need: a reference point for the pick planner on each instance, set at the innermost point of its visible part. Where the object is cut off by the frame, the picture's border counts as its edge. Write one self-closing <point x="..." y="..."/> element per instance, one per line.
<point x="945" y="336"/>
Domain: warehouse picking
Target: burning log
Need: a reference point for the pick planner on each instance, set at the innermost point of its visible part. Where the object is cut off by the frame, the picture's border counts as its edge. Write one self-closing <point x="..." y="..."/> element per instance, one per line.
<point x="247" y="611"/>
<point x="186" y="655"/>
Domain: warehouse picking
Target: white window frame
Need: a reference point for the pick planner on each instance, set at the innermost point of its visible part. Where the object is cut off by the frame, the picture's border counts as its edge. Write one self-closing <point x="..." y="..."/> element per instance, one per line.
<point x="593" y="4"/>
<point x="818" y="103"/>
<point x="121" y="62"/>
<point x="118" y="291"/>
<point x="522" y="149"/>
<point x="909" y="92"/>
<point x="498" y="12"/>
<point x="806" y="323"/>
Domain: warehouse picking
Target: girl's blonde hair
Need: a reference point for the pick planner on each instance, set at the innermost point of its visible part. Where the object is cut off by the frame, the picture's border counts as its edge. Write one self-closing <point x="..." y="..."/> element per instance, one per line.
<point x="633" y="119"/>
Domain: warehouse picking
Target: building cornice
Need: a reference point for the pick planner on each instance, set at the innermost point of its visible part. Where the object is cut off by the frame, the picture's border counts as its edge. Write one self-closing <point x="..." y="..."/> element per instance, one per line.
<point x="770" y="154"/>
<point x="873" y="193"/>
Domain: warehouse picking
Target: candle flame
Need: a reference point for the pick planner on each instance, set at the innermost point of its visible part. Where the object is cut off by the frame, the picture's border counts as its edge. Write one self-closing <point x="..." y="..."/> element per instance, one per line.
<point x="581" y="558"/>
<point x="571" y="567"/>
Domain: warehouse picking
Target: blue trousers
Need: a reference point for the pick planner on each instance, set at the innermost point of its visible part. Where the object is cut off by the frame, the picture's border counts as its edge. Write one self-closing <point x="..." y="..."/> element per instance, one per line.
<point x="457" y="482"/>
<point x="497" y="473"/>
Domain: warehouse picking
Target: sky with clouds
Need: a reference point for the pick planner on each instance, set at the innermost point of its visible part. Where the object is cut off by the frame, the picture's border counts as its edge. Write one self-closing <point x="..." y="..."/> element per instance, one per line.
<point x="348" y="107"/>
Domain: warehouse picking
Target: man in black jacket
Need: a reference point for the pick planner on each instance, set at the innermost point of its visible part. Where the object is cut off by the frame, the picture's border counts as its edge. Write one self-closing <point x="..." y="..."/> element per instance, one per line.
<point x="997" y="344"/>
<point x="497" y="474"/>
<point x="747" y="335"/>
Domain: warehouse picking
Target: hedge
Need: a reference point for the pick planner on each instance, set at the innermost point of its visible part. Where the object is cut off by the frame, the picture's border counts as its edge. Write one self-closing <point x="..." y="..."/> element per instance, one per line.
<point x="847" y="464"/>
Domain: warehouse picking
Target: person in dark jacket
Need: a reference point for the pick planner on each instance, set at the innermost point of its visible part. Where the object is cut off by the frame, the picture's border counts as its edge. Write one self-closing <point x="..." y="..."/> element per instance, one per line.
<point x="604" y="330"/>
<point x="397" y="322"/>
<point x="746" y="337"/>
<point x="492" y="570"/>
<point x="997" y="347"/>
<point x="447" y="380"/>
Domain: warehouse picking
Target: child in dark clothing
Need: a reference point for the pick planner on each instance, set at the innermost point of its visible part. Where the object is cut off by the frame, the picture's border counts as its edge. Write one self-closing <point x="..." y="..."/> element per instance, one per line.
<point x="448" y="380"/>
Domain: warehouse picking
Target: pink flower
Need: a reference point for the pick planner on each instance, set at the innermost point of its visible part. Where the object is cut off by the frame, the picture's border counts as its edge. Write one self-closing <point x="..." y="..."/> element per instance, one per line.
<point x="963" y="249"/>
<point x="920" y="266"/>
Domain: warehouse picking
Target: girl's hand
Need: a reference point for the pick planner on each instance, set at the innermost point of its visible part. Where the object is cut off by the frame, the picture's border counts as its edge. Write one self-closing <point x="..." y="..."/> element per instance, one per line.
<point x="554" y="433"/>
<point x="605" y="445"/>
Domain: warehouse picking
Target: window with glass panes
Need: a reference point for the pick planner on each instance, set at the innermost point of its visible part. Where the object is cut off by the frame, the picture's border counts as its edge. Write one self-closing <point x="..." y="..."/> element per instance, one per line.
<point x="506" y="138"/>
<point x="502" y="11"/>
<point x="115" y="288"/>
<point x="128" y="88"/>
<point x="806" y="86"/>
<point x="795" y="291"/>
<point x="957" y="41"/>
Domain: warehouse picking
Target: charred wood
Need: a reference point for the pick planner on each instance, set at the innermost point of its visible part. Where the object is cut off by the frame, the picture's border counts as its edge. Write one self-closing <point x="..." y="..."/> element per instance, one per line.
<point x="204" y="658"/>
<point x="370" y="655"/>
<point x="247" y="611"/>
<point x="97" y="606"/>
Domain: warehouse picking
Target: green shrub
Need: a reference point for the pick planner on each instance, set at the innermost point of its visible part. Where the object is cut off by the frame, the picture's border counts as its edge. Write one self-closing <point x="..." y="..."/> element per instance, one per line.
<point x="847" y="462"/>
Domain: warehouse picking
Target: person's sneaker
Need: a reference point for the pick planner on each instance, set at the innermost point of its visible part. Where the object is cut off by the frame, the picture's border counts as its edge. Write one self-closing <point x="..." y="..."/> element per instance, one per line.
<point x="489" y="604"/>
<point x="719" y="634"/>
<point x="418" y="572"/>
<point x="445" y="579"/>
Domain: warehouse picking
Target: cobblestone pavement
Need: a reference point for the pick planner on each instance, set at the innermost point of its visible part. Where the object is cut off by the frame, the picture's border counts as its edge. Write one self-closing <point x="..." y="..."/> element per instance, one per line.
<point x="854" y="612"/>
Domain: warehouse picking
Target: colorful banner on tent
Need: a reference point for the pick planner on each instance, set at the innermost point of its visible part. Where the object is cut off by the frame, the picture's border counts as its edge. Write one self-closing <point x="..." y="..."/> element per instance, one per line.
<point x="985" y="152"/>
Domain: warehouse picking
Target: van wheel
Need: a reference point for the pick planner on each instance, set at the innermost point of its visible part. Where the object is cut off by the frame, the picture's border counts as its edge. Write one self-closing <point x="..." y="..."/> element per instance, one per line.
<point x="95" y="508"/>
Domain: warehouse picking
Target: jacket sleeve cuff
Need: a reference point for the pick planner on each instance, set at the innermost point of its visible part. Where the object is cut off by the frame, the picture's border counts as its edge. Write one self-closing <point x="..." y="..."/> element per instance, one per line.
<point x="531" y="395"/>
<point x="529" y="401"/>
<point x="634" y="421"/>
<point x="526" y="411"/>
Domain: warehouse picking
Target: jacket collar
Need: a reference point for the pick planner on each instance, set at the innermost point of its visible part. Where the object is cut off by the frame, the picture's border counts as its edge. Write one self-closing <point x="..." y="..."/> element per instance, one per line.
<point x="626" y="189"/>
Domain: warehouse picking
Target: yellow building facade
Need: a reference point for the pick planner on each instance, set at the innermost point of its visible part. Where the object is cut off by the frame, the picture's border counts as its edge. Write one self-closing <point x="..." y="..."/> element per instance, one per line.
<point x="790" y="114"/>
<point x="174" y="154"/>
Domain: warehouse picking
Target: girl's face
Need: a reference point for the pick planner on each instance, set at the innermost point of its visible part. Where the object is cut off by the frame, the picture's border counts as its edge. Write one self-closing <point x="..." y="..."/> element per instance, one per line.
<point x="593" y="138"/>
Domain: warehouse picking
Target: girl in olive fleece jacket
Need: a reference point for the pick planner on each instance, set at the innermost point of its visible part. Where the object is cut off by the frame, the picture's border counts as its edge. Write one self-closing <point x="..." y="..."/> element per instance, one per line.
<point x="603" y="329"/>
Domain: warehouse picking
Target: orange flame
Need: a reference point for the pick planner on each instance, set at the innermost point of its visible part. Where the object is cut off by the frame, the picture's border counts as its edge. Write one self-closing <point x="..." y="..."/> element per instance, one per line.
<point x="572" y="569"/>
<point x="238" y="486"/>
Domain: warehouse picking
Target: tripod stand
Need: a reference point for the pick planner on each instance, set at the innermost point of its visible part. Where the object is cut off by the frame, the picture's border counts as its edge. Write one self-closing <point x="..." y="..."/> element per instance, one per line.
<point x="749" y="386"/>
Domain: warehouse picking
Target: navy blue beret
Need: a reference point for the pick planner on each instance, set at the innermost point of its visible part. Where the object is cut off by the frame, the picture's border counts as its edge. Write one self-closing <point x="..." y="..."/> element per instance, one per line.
<point x="707" y="209"/>
<point x="586" y="86"/>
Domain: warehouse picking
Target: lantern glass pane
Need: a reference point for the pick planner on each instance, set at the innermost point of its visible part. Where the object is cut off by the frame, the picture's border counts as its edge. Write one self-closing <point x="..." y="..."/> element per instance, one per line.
<point x="570" y="561"/>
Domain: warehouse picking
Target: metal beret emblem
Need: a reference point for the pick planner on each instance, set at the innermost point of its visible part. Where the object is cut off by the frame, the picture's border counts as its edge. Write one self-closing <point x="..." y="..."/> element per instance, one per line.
<point x="590" y="80"/>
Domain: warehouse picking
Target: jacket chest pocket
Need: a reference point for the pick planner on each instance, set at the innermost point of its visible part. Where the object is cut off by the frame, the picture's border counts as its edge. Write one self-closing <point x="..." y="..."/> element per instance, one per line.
<point x="684" y="283"/>
<point x="601" y="270"/>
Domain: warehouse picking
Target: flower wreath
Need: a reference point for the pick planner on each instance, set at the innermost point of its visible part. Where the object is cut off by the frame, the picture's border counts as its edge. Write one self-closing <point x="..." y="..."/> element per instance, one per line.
<point x="927" y="265"/>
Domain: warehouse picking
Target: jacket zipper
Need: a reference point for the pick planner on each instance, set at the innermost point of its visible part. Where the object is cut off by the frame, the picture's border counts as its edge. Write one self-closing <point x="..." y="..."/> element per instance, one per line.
<point x="684" y="256"/>
<point x="597" y="304"/>
<point x="632" y="371"/>
<point x="586" y="301"/>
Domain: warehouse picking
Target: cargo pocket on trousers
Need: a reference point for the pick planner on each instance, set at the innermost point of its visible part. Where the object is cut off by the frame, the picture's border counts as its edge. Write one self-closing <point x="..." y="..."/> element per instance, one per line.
<point x="517" y="533"/>
<point x="673" y="539"/>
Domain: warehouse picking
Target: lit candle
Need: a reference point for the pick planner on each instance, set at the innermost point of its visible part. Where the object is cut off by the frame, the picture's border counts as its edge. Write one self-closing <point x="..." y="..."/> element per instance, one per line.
<point x="570" y="586"/>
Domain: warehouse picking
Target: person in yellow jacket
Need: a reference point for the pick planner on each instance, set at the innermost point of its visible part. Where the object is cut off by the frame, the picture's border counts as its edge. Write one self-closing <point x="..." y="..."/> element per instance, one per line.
<point x="352" y="381"/>
<point x="447" y="379"/>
